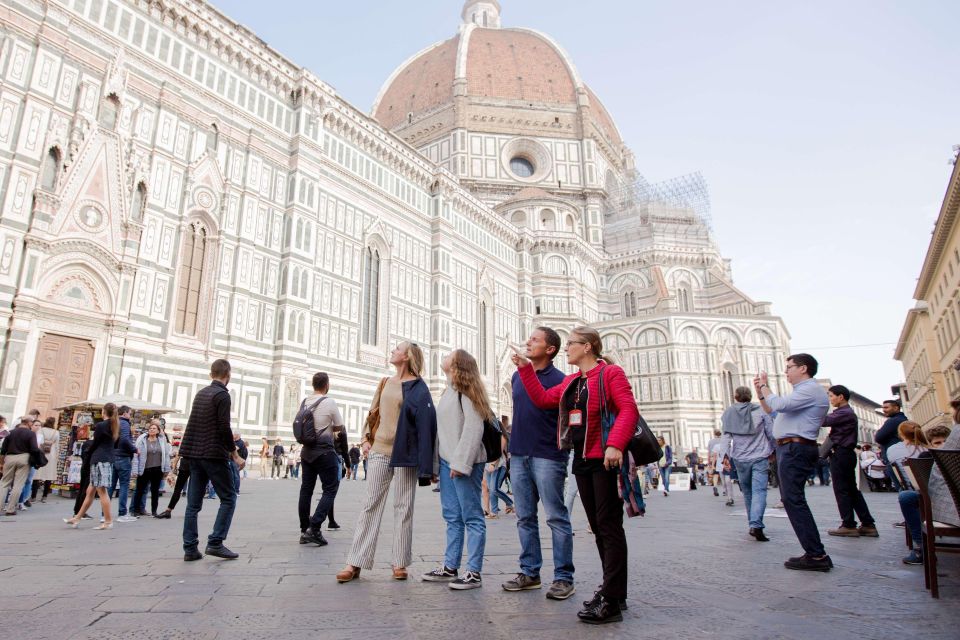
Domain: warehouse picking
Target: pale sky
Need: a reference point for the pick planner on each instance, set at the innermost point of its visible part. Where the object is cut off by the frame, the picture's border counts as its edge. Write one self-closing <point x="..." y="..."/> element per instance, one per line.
<point x="823" y="128"/>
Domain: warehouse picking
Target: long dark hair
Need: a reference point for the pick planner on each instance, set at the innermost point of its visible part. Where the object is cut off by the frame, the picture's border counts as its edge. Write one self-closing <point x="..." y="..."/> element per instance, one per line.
<point x="110" y="414"/>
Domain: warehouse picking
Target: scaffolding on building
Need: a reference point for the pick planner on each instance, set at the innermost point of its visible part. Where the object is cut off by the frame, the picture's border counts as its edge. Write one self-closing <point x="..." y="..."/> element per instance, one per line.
<point x="685" y="193"/>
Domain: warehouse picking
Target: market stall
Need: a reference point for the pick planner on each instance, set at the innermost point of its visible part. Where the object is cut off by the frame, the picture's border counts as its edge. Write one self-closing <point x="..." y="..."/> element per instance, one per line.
<point x="76" y="426"/>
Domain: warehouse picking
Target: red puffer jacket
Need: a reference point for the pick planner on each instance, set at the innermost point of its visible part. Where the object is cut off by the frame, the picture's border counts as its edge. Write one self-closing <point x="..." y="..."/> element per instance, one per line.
<point x="619" y="401"/>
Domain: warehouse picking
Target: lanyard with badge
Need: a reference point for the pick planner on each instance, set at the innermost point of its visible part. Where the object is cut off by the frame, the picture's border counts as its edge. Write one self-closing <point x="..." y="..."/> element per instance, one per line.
<point x="576" y="415"/>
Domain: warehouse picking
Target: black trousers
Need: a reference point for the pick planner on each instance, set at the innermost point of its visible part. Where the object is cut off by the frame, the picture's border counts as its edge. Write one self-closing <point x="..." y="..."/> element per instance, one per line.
<point x="795" y="463"/>
<point x="151" y="477"/>
<point x="82" y="491"/>
<point x="843" y="468"/>
<point x="183" y="474"/>
<point x="600" y="496"/>
<point x="327" y="468"/>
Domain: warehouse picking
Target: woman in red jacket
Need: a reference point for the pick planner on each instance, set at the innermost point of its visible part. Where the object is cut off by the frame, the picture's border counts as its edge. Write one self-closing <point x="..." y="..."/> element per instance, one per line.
<point x="596" y="456"/>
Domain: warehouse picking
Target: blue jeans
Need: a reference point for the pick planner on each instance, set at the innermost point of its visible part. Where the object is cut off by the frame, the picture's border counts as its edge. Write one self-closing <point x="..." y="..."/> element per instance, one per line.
<point x="25" y="494"/>
<point x="353" y="470"/>
<point x="910" y="507"/>
<point x="754" y="475"/>
<point x="795" y="462"/>
<point x="462" y="511"/>
<point x="665" y="477"/>
<point x="494" y="482"/>
<point x="236" y="475"/>
<point x="122" y="467"/>
<point x="217" y="472"/>
<point x="541" y="480"/>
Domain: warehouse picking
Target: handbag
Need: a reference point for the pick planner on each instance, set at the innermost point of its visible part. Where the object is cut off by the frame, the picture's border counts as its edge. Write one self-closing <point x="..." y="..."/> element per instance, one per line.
<point x="373" y="416"/>
<point x="643" y="445"/>
<point x="37" y="459"/>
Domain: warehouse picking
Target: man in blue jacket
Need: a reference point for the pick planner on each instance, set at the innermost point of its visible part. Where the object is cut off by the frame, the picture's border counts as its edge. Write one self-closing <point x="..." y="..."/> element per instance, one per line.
<point x="538" y="468"/>
<point x="124" y="450"/>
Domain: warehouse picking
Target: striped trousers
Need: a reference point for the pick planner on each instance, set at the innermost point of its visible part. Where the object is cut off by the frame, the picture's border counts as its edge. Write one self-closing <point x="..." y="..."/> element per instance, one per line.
<point x="379" y="478"/>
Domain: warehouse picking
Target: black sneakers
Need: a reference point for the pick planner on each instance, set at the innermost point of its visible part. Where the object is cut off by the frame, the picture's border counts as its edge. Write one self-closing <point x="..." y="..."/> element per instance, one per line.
<point x="313" y="536"/>
<point x="220" y="551"/>
<point x="603" y="612"/>
<point x="759" y="535"/>
<point x="806" y="562"/>
<point x="443" y="574"/>
<point x="469" y="580"/>
<point x="192" y="555"/>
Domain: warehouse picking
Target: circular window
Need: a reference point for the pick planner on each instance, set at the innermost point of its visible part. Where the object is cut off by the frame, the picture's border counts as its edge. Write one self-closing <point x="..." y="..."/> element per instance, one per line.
<point x="526" y="160"/>
<point x="521" y="167"/>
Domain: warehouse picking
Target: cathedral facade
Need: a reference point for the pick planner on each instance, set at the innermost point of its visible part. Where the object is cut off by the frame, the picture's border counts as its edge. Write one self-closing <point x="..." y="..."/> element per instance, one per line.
<point x="173" y="191"/>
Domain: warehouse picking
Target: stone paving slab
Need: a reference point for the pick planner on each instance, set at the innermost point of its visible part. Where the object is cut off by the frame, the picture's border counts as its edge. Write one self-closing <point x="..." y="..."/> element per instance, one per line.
<point x="694" y="573"/>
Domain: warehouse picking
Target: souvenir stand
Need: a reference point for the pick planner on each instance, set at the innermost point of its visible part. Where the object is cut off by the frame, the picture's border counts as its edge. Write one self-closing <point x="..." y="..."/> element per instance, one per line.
<point x="76" y="425"/>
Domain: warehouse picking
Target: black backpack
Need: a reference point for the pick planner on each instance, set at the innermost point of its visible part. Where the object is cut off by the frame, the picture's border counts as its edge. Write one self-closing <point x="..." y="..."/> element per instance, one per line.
<point x="304" y="431"/>
<point x="492" y="442"/>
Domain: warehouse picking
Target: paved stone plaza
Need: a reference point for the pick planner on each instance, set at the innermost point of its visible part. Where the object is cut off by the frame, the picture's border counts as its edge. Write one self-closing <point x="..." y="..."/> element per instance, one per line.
<point x="694" y="574"/>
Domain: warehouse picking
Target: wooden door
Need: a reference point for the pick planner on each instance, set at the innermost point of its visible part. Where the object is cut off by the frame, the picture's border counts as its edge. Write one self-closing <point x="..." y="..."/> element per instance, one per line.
<point x="61" y="374"/>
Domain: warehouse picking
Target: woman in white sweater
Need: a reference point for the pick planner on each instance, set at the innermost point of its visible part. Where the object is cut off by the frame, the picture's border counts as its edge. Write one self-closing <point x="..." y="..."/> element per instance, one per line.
<point x="459" y="469"/>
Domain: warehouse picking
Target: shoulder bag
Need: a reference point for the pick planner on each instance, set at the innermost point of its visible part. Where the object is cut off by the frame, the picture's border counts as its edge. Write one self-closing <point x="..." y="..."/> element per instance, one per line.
<point x="643" y="446"/>
<point x="373" y="417"/>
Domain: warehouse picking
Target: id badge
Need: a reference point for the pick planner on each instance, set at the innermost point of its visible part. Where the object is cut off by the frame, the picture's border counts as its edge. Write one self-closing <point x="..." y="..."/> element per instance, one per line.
<point x="576" y="418"/>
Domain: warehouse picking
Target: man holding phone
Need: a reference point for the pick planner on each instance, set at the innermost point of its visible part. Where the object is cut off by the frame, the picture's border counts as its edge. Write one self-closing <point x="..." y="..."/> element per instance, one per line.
<point x="797" y="421"/>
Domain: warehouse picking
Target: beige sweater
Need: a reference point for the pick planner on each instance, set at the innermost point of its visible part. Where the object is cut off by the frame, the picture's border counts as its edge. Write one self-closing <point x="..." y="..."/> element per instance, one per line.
<point x="391" y="399"/>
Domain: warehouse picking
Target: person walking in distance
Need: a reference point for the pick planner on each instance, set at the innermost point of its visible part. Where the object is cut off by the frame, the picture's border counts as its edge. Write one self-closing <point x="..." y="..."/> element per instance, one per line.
<point x="748" y="436"/>
<point x="843" y="424"/>
<point x="354" y="455"/>
<point x="798" y="417"/>
<point x="278" y="452"/>
<point x="15" y="453"/>
<point x="341" y="448"/>
<point x="265" y="457"/>
<point x="47" y="475"/>
<point x="178" y="478"/>
<point x="319" y="460"/>
<point x="597" y="455"/>
<point x="693" y="464"/>
<point x="402" y="430"/>
<point x="105" y="434"/>
<point x="459" y="469"/>
<point x="665" y="464"/>
<point x="208" y="445"/>
<point x="123" y="465"/>
<point x="243" y="452"/>
<point x="538" y="468"/>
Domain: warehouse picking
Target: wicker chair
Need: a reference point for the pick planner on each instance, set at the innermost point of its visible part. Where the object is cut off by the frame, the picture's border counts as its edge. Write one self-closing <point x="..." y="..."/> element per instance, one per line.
<point x="921" y="469"/>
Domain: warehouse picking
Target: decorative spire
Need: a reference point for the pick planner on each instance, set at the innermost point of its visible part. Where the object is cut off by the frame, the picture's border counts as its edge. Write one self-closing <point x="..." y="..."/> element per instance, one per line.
<point x="483" y="13"/>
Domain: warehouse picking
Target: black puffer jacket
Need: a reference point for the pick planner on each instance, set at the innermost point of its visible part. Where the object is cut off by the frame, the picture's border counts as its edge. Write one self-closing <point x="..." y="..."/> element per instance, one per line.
<point x="208" y="433"/>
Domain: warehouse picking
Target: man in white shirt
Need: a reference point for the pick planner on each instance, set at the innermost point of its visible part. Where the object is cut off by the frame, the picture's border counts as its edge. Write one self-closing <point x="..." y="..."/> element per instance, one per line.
<point x="319" y="460"/>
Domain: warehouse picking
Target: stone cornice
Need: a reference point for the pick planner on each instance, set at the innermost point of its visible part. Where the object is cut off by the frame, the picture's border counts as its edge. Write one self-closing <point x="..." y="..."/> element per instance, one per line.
<point x="946" y="222"/>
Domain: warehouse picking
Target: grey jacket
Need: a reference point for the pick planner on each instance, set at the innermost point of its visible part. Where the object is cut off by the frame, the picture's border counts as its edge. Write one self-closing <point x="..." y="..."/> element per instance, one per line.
<point x="459" y="433"/>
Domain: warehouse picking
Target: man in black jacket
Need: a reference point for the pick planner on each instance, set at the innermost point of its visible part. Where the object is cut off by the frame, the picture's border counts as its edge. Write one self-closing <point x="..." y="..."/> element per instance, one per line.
<point x="208" y="445"/>
<point x="887" y="435"/>
<point x="15" y="462"/>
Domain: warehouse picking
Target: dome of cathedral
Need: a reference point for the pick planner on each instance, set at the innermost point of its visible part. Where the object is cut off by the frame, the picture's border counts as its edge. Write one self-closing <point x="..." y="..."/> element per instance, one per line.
<point x="489" y="66"/>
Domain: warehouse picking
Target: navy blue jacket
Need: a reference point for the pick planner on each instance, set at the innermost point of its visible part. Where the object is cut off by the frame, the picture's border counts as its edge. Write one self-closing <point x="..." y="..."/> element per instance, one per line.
<point x="534" y="431"/>
<point x="887" y="436"/>
<point x="416" y="429"/>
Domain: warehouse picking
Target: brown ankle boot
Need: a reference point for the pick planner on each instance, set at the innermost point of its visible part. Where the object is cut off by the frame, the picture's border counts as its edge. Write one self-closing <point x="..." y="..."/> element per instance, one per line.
<point x="348" y="574"/>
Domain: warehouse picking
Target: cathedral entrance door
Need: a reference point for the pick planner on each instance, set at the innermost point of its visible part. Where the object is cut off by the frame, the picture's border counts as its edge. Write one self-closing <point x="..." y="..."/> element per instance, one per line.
<point x="61" y="374"/>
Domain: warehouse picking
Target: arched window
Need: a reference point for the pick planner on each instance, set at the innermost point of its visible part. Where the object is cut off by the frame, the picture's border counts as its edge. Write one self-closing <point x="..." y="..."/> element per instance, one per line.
<point x="301" y="324"/>
<point x="110" y="112"/>
<point x="191" y="278"/>
<point x="630" y="304"/>
<point x="51" y="169"/>
<point x="139" y="204"/>
<point x="303" y="284"/>
<point x="283" y="281"/>
<point x="213" y="138"/>
<point x="683" y="299"/>
<point x="307" y="231"/>
<point x="299" y="241"/>
<point x="371" y="296"/>
<point x="292" y="327"/>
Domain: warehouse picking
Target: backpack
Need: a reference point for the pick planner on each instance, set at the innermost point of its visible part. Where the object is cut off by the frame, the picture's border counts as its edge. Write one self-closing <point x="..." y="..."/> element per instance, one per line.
<point x="304" y="431"/>
<point x="492" y="442"/>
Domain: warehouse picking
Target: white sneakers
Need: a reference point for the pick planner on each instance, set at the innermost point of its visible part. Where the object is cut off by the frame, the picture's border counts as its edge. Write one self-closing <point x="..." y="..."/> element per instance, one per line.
<point x="125" y="518"/>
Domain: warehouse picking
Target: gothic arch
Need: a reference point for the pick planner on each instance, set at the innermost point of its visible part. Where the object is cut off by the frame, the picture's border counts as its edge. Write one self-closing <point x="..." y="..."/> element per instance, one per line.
<point x="78" y="286"/>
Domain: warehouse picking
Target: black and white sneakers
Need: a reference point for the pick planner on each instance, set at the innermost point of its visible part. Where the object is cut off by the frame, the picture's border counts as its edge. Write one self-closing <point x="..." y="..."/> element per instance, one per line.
<point x="469" y="580"/>
<point x="442" y="574"/>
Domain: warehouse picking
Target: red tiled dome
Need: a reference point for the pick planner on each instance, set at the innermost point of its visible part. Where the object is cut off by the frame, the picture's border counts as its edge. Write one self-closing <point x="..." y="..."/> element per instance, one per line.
<point x="512" y="65"/>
